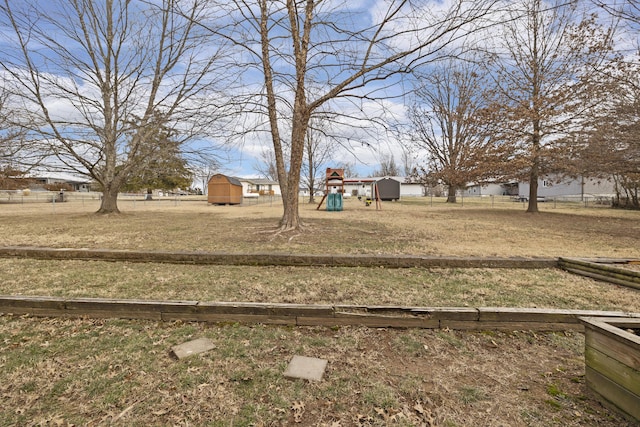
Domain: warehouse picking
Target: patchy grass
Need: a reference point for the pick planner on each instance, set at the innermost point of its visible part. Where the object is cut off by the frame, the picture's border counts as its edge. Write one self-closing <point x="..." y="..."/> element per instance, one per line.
<point x="546" y="288"/>
<point x="115" y="372"/>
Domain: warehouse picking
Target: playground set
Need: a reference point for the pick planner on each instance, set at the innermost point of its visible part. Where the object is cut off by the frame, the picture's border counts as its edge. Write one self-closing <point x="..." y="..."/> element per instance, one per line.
<point x="334" y="191"/>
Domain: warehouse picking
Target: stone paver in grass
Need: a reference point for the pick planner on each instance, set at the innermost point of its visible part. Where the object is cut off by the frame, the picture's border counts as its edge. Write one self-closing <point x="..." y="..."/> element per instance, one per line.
<point x="190" y="348"/>
<point x="307" y="368"/>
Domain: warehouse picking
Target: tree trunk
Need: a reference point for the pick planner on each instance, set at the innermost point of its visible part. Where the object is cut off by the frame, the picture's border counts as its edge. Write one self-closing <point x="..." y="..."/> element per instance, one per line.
<point x="290" y="195"/>
<point x="109" y="202"/>
<point x="533" y="189"/>
<point x="535" y="168"/>
<point x="451" y="194"/>
<point x="290" y="218"/>
<point x="312" y="185"/>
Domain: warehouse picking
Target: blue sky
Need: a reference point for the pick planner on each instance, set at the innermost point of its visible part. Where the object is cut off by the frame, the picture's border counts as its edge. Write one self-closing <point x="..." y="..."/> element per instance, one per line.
<point x="365" y="146"/>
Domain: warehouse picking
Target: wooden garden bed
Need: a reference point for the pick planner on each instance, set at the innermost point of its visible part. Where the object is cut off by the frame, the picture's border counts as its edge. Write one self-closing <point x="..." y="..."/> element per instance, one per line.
<point x="612" y="355"/>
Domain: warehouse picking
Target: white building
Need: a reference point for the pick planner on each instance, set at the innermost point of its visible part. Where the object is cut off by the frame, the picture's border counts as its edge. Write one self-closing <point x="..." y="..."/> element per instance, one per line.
<point x="547" y="187"/>
<point x="492" y="189"/>
<point x="260" y="186"/>
<point x="575" y="188"/>
<point x="50" y="179"/>
<point x="362" y="186"/>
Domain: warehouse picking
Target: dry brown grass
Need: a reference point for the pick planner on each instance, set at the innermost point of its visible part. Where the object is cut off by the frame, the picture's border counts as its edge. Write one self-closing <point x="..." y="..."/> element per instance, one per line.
<point x="411" y="227"/>
<point x="114" y="372"/>
<point x="315" y="285"/>
<point x="108" y="372"/>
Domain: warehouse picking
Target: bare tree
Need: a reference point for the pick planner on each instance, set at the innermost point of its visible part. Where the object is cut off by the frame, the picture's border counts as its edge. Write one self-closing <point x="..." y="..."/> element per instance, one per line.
<point x="203" y="168"/>
<point x="12" y="138"/>
<point x="549" y="52"/>
<point x="387" y="166"/>
<point x="266" y="167"/>
<point x="96" y="78"/>
<point x="349" y="168"/>
<point x="408" y="162"/>
<point x="356" y="56"/>
<point x="448" y="124"/>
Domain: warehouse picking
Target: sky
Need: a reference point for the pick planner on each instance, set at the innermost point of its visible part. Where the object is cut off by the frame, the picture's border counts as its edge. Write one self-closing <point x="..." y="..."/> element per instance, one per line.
<point x="363" y="148"/>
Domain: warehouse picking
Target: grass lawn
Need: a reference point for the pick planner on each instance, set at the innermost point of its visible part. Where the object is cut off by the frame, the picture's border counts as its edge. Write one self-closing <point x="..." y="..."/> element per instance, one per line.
<point x="408" y="227"/>
<point x="115" y="372"/>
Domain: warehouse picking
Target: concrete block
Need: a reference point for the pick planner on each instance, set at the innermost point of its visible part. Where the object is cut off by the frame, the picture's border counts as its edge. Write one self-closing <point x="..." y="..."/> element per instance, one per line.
<point x="192" y="347"/>
<point x="307" y="368"/>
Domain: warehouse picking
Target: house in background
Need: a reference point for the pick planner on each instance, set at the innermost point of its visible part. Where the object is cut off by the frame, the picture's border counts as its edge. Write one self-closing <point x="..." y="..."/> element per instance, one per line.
<point x="492" y="189"/>
<point x="412" y="189"/>
<point x="578" y="188"/>
<point x="362" y="187"/>
<point x="260" y="186"/>
<point x="50" y="181"/>
<point x="304" y="191"/>
<point x="547" y="187"/>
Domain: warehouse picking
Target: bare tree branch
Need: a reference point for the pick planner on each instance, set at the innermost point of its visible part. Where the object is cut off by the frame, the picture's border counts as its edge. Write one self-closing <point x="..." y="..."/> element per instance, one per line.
<point x="94" y="78"/>
<point x="314" y="54"/>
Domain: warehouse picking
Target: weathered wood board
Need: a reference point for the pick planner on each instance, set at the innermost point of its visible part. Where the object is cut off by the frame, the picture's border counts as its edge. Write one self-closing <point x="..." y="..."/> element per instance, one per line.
<point x="612" y="358"/>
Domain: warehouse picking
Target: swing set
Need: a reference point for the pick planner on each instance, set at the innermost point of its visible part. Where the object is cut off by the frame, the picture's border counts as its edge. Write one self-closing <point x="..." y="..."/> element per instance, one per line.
<point x="334" y="190"/>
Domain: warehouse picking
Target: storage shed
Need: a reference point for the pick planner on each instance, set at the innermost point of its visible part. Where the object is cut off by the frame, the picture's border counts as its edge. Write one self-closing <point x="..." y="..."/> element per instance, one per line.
<point x="388" y="189"/>
<point x="224" y="190"/>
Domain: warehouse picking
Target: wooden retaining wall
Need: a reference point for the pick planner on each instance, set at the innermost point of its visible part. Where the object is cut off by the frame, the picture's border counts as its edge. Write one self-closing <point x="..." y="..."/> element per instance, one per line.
<point x="603" y="269"/>
<point x="271" y="259"/>
<point x="483" y="318"/>
<point x="612" y="357"/>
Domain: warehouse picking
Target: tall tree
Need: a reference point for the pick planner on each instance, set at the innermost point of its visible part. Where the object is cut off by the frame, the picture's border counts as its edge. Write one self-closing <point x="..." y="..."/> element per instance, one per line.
<point x="387" y="166"/>
<point x="448" y="124"/>
<point x="548" y="54"/>
<point x="94" y="78"/>
<point x="610" y="149"/>
<point x="353" y="52"/>
<point x="159" y="162"/>
<point x="613" y="148"/>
